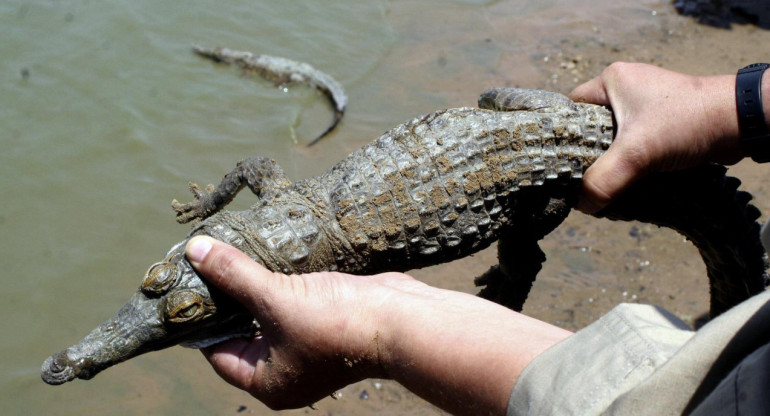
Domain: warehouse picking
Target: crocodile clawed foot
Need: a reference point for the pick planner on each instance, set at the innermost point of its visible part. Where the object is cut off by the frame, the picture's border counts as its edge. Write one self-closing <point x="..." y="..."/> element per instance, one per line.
<point x="201" y="206"/>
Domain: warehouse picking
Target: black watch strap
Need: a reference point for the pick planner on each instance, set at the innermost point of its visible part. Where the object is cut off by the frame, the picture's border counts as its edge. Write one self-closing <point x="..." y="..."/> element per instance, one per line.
<point x="755" y="136"/>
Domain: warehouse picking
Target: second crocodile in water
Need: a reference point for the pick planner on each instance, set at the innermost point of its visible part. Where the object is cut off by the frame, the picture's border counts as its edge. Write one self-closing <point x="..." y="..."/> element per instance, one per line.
<point x="283" y="71"/>
<point x="434" y="189"/>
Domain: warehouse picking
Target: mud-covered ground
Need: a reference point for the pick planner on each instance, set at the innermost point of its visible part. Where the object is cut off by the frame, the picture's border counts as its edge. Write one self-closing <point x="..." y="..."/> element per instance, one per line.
<point x="595" y="264"/>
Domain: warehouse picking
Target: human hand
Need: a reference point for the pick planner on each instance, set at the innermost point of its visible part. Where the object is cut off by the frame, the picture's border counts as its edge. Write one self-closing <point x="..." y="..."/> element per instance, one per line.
<point x="318" y="331"/>
<point x="665" y="121"/>
<point x="322" y="331"/>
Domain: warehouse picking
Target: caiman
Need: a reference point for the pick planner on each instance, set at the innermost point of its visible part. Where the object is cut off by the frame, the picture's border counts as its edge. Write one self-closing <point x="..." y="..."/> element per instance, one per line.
<point x="283" y="71"/>
<point x="434" y="189"/>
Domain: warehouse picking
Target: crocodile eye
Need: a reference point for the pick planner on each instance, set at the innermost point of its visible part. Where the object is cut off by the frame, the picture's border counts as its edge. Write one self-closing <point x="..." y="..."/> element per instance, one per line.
<point x="160" y="278"/>
<point x="189" y="311"/>
<point x="187" y="306"/>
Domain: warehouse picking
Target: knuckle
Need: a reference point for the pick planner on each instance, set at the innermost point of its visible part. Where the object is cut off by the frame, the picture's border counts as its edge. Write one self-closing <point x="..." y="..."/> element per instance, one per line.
<point x="624" y="71"/>
<point x="619" y="70"/>
<point x="617" y="67"/>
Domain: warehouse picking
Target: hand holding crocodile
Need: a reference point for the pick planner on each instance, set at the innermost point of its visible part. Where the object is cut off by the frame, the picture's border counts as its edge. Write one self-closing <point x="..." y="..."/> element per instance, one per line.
<point x="308" y="344"/>
<point x="323" y="331"/>
<point x="665" y="121"/>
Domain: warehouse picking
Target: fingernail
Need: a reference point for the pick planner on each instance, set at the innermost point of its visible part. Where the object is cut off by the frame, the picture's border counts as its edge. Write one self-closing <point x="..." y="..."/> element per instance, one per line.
<point x="197" y="248"/>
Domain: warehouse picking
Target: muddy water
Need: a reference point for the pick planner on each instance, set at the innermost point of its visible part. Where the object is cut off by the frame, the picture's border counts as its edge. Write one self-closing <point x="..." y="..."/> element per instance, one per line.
<point x="106" y="115"/>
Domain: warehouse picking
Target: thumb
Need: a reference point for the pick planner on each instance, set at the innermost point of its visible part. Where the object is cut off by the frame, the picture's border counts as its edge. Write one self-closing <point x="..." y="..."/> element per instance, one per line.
<point x="607" y="178"/>
<point x="230" y="270"/>
<point x="592" y="91"/>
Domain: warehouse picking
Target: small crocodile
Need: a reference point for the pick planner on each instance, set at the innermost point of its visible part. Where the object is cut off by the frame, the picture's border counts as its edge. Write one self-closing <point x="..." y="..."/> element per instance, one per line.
<point x="282" y="71"/>
<point x="437" y="188"/>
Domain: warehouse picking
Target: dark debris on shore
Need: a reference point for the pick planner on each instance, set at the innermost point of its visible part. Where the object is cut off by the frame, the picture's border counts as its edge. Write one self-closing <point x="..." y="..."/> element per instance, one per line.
<point x="723" y="13"/>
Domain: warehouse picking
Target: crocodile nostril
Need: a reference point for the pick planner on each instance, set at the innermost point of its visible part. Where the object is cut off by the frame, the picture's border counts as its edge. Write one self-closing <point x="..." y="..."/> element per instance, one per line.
<point x="56" y="367"/>
<point x="56" y="364"/>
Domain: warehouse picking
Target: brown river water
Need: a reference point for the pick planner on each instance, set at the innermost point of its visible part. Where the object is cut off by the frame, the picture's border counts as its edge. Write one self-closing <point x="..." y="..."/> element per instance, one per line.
<point x="105" y="116"/>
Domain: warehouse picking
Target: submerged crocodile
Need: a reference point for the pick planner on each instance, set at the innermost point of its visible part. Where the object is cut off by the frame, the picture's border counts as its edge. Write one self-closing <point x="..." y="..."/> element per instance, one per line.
<point x="282" y="71"/>
<point x="437" y="188"/>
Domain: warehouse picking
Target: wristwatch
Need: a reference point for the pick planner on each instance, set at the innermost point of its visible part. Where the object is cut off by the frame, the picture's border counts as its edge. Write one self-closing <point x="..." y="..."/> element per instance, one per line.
<point x="755" y="136"/>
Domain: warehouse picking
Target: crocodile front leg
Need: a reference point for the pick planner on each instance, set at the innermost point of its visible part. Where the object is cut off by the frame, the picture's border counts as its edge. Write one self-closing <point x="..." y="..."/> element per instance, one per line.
<point x="262" y="175"/>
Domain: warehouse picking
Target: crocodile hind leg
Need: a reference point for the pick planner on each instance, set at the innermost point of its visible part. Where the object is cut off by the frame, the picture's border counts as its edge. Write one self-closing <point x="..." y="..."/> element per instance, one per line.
<point x="509" y="282"/>
<point x="537" y="213"/>
<point x="260" y="174"/>
<point x="538" y="210"/>
<point x="516" y="99"/>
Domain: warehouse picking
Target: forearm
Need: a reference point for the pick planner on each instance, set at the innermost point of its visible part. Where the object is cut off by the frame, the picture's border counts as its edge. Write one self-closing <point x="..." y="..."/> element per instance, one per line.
<point x="463" y="353"/>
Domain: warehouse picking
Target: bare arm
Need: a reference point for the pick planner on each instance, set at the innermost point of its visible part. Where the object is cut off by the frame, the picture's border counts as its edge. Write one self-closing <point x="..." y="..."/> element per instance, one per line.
<point x="323" y="331"/>
<point x="666" y="121"/>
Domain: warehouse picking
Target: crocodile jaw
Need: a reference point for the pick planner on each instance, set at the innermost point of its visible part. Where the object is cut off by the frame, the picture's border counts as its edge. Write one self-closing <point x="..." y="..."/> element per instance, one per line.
<point x="135" y="329"/>
<point x="138" y="328"/>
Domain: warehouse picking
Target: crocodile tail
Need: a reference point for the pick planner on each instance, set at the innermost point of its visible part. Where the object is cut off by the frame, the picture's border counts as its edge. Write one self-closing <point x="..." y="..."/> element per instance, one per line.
<point x="705" y="205"/>
<point x="518" y="99"/>
<point x="337" y="117"/>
